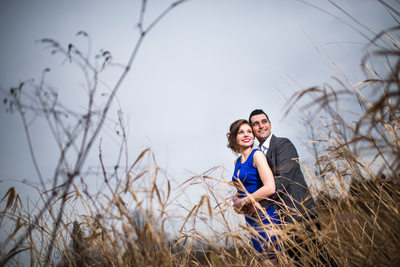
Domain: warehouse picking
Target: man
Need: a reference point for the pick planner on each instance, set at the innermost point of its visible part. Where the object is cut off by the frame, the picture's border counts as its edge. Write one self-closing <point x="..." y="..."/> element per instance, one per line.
<point x="292" y="194"/>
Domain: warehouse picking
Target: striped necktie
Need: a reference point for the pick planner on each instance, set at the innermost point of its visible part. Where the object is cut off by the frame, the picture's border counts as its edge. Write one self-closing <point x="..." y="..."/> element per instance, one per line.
<point x="264" y="149"/>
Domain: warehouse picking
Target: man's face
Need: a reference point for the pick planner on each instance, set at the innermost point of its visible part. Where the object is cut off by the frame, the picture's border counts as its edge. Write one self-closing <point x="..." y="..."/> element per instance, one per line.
<point x="261" y="127"/>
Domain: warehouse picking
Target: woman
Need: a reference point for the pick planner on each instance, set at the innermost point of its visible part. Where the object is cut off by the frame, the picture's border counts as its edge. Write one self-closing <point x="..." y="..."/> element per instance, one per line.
<point x="255" y="182"/>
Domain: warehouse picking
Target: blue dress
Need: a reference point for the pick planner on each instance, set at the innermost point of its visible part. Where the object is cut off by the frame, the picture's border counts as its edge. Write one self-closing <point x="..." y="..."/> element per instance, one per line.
<point x="250" y="178"/>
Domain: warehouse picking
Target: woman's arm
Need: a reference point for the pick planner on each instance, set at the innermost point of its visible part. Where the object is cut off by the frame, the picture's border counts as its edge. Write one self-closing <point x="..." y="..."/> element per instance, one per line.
<point x="267" y="178"/>
<point x="266" y="175"/>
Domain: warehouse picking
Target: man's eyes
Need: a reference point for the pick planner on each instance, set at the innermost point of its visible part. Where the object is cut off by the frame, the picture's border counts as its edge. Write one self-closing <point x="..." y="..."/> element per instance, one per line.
<point x="259" y="123"/>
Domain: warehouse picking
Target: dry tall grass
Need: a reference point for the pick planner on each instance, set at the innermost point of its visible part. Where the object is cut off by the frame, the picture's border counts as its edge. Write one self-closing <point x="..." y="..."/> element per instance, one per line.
<point x="128" y="222"/>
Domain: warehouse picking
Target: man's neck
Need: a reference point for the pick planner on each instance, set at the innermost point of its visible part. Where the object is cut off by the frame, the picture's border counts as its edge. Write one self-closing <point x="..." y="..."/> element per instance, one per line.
<point x="263" y="141"/>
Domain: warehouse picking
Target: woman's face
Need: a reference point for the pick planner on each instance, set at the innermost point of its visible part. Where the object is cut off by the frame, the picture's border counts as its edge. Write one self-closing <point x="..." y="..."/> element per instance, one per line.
<point x="245" y="137"/>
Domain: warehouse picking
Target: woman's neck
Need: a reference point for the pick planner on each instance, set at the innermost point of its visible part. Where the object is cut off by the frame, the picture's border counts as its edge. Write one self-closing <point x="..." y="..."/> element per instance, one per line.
<point x="245" y="152"/>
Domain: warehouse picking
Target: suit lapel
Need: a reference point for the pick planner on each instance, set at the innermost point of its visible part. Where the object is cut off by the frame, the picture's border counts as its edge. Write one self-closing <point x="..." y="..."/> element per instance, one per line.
<point x="271" y="154"/>
<point x="271" y="147"/>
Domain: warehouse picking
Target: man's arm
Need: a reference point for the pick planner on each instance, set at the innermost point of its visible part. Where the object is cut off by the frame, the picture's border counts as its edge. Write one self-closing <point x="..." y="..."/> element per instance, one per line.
<point x="290" y="183"/>
<point x="288" y="170"/>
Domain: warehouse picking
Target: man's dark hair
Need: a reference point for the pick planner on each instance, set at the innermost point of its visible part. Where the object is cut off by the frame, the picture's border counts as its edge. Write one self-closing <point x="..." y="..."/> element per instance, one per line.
<point x="257" y="112"/>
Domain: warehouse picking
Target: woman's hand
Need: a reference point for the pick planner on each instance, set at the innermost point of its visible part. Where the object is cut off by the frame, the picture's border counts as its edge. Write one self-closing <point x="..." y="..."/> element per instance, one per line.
<point x="242" y="205"/>
<point x="237" y="204"/>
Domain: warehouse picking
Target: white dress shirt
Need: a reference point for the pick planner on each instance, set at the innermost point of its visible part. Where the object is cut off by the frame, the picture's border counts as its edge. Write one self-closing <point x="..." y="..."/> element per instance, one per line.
<point x="264" y="146"/>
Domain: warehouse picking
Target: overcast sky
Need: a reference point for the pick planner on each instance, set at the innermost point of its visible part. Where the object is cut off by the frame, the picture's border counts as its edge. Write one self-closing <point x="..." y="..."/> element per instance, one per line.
<point x="208" y="63"/>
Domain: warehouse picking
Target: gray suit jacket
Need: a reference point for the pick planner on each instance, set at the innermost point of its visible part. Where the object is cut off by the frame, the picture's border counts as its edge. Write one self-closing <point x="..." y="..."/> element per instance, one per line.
<point x="291" y="188"/>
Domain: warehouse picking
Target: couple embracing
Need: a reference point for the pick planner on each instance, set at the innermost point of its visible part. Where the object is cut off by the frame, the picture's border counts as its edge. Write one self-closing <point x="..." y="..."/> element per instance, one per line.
<point x="270" y="183"/>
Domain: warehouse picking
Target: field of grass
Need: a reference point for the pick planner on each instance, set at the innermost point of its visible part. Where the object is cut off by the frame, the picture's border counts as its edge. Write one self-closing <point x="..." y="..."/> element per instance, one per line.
<point x="356" y="167"/>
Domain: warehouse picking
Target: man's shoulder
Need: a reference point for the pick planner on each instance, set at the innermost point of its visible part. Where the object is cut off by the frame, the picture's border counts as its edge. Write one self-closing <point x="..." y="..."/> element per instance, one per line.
<point x="283" y="145"/>
<point x="279" y="139"/>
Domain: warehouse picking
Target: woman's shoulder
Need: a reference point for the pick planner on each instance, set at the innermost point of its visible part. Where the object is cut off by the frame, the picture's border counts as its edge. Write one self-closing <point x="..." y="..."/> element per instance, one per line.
<point x="257" y="153"/>
<point x="258" y="158"/>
